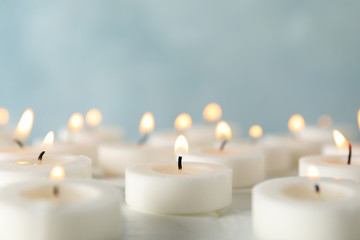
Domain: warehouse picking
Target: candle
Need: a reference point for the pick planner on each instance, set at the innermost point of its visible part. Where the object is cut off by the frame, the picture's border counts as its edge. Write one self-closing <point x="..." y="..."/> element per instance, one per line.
<point x="248" y="165"/>
<point x="115" y="157"/>
<point x="21" y="167"/>
<point x="58" y="210"/>
<point x="297" y="208"/>
<point x="340" y="148"/>
<point x="178" y="188"/>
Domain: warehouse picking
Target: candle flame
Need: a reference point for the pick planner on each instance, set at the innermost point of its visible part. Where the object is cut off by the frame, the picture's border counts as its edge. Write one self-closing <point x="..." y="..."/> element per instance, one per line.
<point x="25" y="124"/>
<point x="340" y="140"/>
<point x="223" y="130"/>
<point x="183" y="121"/>
<point x="57" y="173"/>
<point x="76" y="122"/>
<point x="313" y="172"/>
<point x="93" y="117"/>
<point x="296" y="123"/>
<point x="147" y="123"/>
<point x="212" y="112"/>
<point x="255" y="131"/>
<point x="325" y="121"/>
<point x="4" y="116"/>
<point x="181" y="145"/>
<point x="48" y="140"/>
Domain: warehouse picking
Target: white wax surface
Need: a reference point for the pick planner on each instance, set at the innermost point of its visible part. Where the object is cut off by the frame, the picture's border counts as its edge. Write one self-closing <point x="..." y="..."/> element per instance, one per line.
<point x="289" y="208"/>
<point x="115" y="158"/>
<point x="331" y="166"/>
<point x="20" y="167"/>
<point x="162" y="188"/>
<point x="83" y="210"/>
<point x="248" y="165"/>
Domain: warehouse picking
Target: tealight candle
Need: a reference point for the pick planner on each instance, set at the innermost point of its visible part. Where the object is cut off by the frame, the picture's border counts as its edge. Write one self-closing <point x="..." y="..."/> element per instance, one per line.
<point x="21" y="167"/>
<point x="340" y="148"/>
<point x="296" y="208"/>
<point x="116" y="157"/>
<point x="178" y="188"/>
<point x="70" y="209"/>
<point x="248" y="165"/>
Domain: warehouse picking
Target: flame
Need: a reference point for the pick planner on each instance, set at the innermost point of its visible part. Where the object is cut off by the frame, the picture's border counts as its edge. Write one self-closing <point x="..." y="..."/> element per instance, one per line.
<point x="358" y="118"/>
<point x="4" y="116"/>
<point x="76" y="122"/>
<point x="296" y="123"/>
<point x="93" y="117"/>
<point x="147" y="123"/>
<point x="48" y="140"/>
<point x="325" y="121"/>
<point x="181" y="145"/>
<point x="223" y="130"/>
<point x="313" y="172"/>
<point x="183" y="121"/>
<point x="57" y="173"/>
<point x="339" y="139"/>
<point x="255" y="131"/>
<point x="212" y="112"/>
<point x="25" y="124"/>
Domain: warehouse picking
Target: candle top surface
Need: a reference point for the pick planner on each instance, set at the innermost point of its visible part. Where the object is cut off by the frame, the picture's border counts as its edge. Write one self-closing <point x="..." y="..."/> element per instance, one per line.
<point x="332" y="161"/>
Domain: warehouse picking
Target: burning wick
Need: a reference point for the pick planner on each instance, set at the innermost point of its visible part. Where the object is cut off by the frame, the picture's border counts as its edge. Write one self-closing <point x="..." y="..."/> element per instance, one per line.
<point x="222" y="146"/>
<point x="143" y="139"/>
<point x="18" y="142"/>
<point x="349" y="157"/>
<point x="56" y="191"/>
<point x="180" y="163"/>
<point x="317" y="188"/>
<point x="41" y="156"/>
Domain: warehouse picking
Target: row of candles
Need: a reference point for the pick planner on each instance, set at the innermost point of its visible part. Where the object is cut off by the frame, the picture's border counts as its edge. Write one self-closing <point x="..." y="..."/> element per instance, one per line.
<point x="158" y="182"/>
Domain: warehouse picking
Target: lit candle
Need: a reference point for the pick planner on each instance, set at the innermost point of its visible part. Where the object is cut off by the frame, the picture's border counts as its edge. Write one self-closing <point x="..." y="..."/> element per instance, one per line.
<point x="248" y="164"/>
<point x="58" y="210"/>
<point x="297" y="208"/>
<point x="115" y="157"/>
<point x="178" y="187"/>
<point x="340" y="148"/>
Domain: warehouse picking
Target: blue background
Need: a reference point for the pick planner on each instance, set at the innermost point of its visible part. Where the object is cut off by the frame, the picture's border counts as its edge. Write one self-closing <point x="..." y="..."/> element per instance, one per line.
<point x="261" y="60"/>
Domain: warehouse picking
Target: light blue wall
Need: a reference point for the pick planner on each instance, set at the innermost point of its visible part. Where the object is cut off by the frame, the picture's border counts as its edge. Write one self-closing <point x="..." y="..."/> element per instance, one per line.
<point x="261" y="60"/>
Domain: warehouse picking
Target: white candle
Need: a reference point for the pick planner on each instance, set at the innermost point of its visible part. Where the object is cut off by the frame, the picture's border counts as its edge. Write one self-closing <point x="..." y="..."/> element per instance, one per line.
<point x="115" y="158"/>
<point x="22" y="167"/>
<point x="290" y="208"/>
<point x="162" y="188"/>
<point x="340" y="147"/>
<point x="332" y="166"/>
<point x="81" y="210"/>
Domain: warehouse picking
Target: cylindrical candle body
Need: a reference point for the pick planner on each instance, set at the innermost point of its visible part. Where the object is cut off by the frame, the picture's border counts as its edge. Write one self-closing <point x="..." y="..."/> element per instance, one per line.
<point x="82" y="210"/>
<point x="162" y="188"/>
<point x="290" y="208"/>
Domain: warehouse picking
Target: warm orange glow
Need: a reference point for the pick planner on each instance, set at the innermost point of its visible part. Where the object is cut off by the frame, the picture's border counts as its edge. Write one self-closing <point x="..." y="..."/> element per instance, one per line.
<point x="48" y="140"/>
<point x="313" y="172"/>
<point x="4" y="116"/>
<point x="93" y="117"/>
<point x="183" y="121"/>
<point x="76" y="122"/>
<point x="358" y="117"/>
<point x="325" y="121"/>
<point x="255" y="131"/>
<point x="340" y="140"/>
<point x="147" y="123"/>
<point x="296" y="123"/>
<point x="57" y="173"/>
<point x="212" y="112"/>
<point x="223" y="130"/>
<point x="25" y="124"/>
<point x="181" y="145"/>
<point x="23" y="162"/>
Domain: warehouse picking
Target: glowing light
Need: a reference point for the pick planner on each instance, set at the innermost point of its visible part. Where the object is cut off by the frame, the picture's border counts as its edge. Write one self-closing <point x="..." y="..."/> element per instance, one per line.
<point x="296" y="123"/>
<point x="181" y="145"/>
<point x="4" y="116"/>
<point x="340" y="140"/>
<point x="223" y="130"/>
<point x="147" y="123"/>
<point x="212" y="112"/>
<point x="93" y="117"/>
<point x="255" y="131"/>
<point x="57" y="173"/>
<point x="25" y="124"/>
<point x="313" y="172"/>
<point x="49" y="139"/>
<point x="76" y="122"/>
<point x="183" y="122"/>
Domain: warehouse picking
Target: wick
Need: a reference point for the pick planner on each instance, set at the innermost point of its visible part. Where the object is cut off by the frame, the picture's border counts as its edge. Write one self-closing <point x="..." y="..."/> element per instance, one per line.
<point x="349" y="157"/>
<point x="41" y="155"/>
<point x="56" y="191"/>
<point x="18" y="142"/>
<point x="143" y="139"/>
<point x="317" y="188"/>
<point x="223" y="145"/>
<point x="180" y="162"/>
